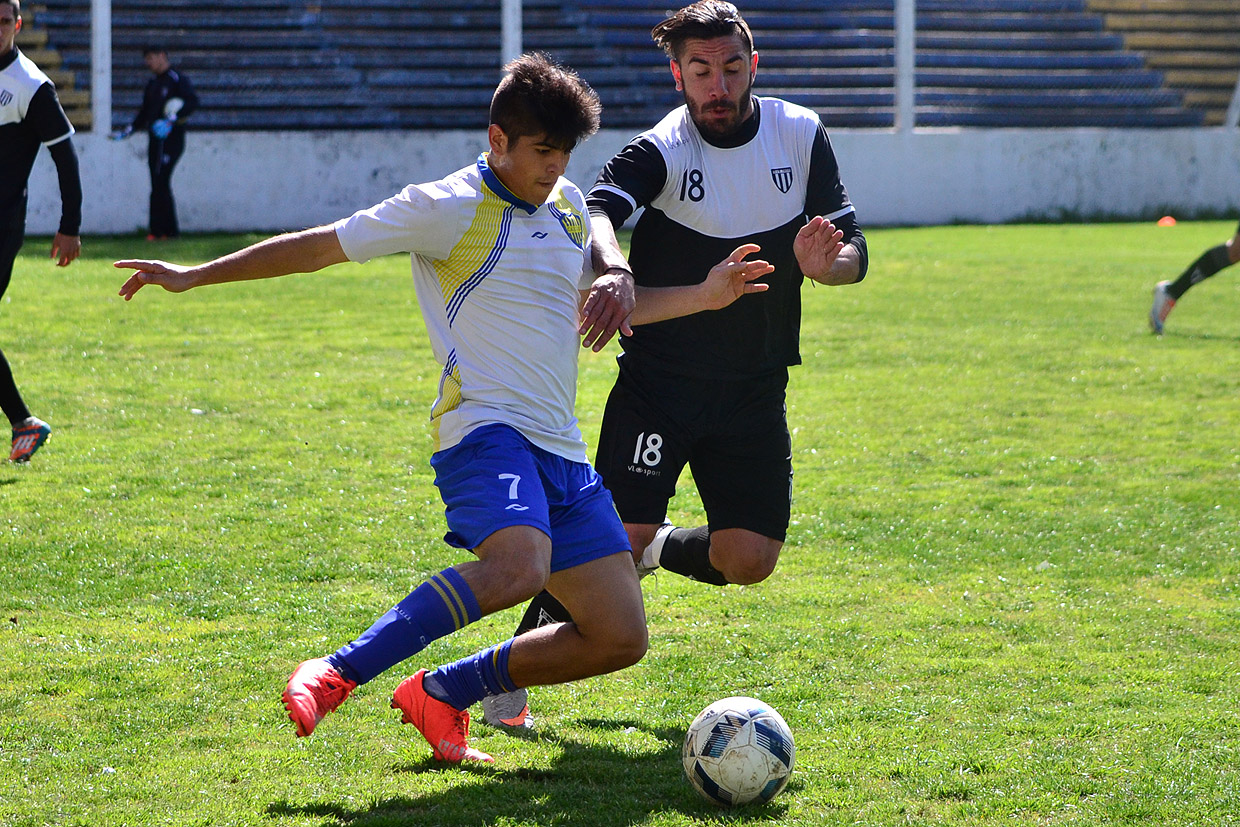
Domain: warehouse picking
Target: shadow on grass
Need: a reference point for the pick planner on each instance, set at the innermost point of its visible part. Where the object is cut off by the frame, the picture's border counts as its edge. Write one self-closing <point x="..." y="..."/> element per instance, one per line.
<point x="585" y="785"/>
<point x="9" y="481"/>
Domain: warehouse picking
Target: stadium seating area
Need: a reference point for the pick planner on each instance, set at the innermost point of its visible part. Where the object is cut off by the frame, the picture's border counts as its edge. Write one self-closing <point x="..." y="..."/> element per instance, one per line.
<point x="431" y="64"/>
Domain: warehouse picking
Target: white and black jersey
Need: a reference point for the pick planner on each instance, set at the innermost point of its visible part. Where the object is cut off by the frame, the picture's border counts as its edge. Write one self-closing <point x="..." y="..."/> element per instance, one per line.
<point x="30" y="117"/>
<point x="701" y="201"/>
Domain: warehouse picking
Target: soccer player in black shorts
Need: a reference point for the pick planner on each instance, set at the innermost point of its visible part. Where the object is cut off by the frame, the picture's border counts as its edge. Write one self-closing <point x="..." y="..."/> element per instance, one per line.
<point x="1167" y="293"/>
<point x="30" y="117"/>
<point x="708" y="389"/>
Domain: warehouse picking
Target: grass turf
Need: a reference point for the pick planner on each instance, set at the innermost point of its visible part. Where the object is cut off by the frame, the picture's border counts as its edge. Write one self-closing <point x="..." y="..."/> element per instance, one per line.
<point x="1009" y="594"/>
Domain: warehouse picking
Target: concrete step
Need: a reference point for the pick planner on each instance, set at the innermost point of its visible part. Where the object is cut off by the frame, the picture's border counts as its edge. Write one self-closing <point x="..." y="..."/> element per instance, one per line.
<point x="1172" y="22"/>
<point x="1194" y="60"/>
<point x="30" y="38"/>
<point x="80" y="118"/>
<point x="45" y="59"/>
<point x="1163" y="6"/>
<point x="1180" y="41"/>
<point x="1203" y="78"/>
<point x="1204" y="99"/>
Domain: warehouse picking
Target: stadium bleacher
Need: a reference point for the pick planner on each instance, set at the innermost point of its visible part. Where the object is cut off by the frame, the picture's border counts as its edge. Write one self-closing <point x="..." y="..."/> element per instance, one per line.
<point x="415" y="64"/>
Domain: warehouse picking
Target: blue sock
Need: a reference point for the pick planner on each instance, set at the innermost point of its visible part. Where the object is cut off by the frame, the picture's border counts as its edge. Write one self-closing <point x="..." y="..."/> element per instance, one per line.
<point x="438" y="607"/>
<point x="469" y="680"/>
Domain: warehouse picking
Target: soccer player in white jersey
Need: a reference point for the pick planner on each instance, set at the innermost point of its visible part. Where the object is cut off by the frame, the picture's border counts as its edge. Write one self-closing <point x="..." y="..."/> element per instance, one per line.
<point x="30" y="117"/>
<point x="501" y="264"/>
<point x="708" y="390"/>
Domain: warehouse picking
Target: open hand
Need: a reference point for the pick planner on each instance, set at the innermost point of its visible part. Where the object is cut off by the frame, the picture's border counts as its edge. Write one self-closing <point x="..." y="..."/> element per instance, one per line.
<point x="172" y="277"/>
<point x="817" y="245"/>
<point x="733" y="277"/>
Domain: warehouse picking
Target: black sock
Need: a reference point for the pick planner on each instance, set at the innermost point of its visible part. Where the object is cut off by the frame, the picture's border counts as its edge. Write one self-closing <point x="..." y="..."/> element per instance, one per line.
<point x="543" y="611"/>
<point x="10" y="400"/>
<point x="687" y="551"/>
<point x="1211" y="262"/>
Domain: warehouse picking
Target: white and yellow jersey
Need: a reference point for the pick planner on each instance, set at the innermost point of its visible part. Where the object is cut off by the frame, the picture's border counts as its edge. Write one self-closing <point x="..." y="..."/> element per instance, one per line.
<point x="497" y="279"/>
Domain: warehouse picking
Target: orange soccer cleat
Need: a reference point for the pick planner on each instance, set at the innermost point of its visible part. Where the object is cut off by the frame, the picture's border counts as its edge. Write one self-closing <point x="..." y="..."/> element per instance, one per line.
<point x="314" y="689"/>
<point x="28" y="437"/>
<point x="444" y="727"/>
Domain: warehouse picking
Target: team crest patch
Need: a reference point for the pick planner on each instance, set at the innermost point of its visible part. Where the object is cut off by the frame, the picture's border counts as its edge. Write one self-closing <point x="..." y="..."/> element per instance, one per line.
<point x="782" y="178"/>
<point x="572" y="223"/>
<point x="6" y="97"/>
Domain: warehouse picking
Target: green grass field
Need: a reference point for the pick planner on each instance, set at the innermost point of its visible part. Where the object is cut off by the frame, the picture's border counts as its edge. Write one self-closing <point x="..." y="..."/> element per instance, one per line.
<point x="1009" y="597"/>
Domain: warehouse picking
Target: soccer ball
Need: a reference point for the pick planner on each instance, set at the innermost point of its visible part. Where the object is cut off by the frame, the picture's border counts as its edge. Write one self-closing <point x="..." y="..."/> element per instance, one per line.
<point x="738" y="750"/>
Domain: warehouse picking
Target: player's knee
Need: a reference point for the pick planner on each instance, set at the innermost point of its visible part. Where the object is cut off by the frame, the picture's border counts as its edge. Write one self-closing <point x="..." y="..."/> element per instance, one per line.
<point x="626" y="646"/>
<point x="746" y="566"/>
<point x="515" y="579"/>
<point x="521" y="581"/>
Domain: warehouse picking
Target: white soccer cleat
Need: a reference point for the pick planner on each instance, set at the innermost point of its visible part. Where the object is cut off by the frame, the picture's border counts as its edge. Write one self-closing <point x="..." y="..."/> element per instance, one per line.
<point x="1161" y="308"/>
<point x="509" y="711"/>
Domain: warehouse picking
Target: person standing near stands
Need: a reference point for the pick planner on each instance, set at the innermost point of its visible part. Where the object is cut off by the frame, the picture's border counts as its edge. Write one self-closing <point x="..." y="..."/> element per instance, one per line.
<point x="1167" y="293"/>
<point x="30" y="117"/>
<point x="168" y="101"/>
<point x="708" y="389"/>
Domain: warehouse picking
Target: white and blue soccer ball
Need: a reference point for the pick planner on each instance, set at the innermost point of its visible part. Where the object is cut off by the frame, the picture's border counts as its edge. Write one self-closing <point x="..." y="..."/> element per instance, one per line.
<point x="738" y="751"/>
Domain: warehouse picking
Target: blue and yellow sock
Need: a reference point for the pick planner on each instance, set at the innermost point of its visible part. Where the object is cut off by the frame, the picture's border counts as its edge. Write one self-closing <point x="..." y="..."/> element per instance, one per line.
<point x="469" y="680"/>
<point x="437" y="608"/>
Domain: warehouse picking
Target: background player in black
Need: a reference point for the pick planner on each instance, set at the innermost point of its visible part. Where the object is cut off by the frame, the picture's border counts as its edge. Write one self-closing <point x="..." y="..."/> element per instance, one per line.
<point x="709" y="389"/>
<point x="1167" y="293"/>
<point x="30" y="117"/>
<point x="169" y="99"/>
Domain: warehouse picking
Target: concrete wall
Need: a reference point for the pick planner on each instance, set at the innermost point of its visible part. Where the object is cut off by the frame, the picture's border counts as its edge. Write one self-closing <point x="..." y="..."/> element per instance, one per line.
<point x="269" y="181"/>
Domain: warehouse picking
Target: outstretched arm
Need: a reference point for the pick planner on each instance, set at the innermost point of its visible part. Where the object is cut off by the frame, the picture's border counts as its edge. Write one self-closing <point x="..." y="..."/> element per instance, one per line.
<point x="302" y="252"/>
<point x="726" y="282"/>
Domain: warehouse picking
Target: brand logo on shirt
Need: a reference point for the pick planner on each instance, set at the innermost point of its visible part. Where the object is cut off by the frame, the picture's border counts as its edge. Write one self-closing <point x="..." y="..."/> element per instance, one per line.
<point x="538" y="235"/>
<point x="782" y="178"/>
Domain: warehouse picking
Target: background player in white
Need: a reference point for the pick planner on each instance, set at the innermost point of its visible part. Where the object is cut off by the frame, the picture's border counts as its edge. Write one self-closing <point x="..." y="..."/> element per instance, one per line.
<point x="500" y="262"/>
<point x="30" y="117"/>
<point x="708" y="389"/>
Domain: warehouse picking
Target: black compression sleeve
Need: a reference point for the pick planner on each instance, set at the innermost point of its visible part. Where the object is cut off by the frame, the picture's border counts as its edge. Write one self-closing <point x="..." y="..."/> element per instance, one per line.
<point x="70" y="186"/>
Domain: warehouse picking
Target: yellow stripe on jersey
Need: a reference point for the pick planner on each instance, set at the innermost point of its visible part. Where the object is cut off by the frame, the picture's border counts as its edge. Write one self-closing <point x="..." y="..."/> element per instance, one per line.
<point x="449" y="397"/>
<point x="476" y="247"/>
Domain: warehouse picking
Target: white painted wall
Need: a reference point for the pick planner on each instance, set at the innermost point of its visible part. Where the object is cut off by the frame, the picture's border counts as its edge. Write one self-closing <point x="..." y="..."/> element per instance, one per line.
<point x="268" y="181"/>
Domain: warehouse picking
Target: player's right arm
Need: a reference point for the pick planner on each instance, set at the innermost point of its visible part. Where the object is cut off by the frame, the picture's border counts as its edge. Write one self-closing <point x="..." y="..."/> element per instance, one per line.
<point x="302" y="252"/>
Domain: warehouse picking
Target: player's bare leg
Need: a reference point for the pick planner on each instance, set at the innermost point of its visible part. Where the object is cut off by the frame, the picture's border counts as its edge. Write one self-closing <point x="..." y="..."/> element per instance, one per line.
<point x="608" y="632"/>
<point x="731" y="555"/>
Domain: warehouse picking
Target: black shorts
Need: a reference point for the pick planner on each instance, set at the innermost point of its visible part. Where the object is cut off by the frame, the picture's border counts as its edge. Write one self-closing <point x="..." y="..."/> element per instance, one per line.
<point x="732" y="433"/>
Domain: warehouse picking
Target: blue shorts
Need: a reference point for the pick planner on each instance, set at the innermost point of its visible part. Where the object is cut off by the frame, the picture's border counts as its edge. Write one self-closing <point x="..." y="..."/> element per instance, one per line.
<point x="495" y="478"/>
